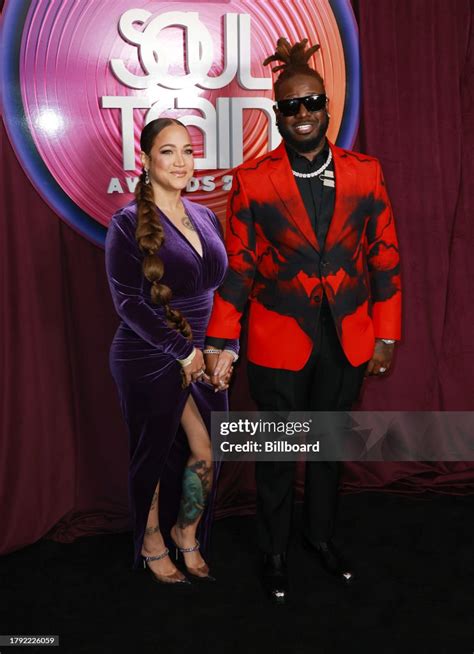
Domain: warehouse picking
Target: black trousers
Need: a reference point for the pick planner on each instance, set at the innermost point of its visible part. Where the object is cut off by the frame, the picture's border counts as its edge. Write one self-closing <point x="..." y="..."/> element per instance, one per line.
<point x="328" y="382"/>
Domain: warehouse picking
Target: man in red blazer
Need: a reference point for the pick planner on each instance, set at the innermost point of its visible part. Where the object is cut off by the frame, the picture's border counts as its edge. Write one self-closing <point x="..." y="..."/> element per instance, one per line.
<point x="312" y="247"/>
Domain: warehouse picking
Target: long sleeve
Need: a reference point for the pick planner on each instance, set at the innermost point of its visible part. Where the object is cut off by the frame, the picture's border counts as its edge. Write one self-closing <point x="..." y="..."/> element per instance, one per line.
<point x="231" y="298"/>
<point x="124" y="272"/>
<point x="383" y="263"/>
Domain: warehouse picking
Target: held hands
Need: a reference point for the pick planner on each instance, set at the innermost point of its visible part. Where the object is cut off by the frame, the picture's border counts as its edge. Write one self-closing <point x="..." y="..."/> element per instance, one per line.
<point x="219" y="368"/>
<point x="381" y="359"/>
<point x="194" y="370"/>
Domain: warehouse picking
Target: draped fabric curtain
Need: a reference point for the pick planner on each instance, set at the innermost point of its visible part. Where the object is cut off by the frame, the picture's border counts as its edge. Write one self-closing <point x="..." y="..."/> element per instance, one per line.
<point x="63" y="449"/>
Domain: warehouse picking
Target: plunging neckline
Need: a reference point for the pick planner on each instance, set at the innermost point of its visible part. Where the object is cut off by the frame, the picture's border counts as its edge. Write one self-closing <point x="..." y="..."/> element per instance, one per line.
<point x="201" y="240"/>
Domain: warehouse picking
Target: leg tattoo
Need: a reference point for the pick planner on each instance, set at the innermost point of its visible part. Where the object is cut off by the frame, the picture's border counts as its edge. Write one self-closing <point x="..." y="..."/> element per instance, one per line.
<point x="196" y="486"/>
<point x="149" y="531"/>
<point x="154" y="500"/>
<point x="152" y="529"/>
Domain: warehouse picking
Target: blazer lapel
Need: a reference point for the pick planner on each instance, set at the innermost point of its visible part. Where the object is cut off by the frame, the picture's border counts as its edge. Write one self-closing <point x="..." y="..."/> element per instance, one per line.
<point x="345" y="180"/>
<point x="285" y="187"/>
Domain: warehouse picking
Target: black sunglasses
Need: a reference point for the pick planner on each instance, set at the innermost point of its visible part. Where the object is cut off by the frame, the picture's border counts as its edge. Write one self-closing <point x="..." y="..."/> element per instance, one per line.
<point x="292" y="106"/>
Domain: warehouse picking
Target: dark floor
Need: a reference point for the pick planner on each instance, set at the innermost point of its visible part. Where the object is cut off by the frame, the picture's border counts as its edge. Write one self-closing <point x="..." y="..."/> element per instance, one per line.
<point x="414" y="591"/>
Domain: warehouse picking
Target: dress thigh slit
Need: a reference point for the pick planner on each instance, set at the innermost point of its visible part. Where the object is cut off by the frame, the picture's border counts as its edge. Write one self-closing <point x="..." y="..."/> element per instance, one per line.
<point x="159" y="452"/>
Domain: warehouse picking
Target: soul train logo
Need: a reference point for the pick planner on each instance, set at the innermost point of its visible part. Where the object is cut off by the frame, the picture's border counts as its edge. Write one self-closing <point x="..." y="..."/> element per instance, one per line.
<point x="80" y="79"/>
<point x="221" y="125"/>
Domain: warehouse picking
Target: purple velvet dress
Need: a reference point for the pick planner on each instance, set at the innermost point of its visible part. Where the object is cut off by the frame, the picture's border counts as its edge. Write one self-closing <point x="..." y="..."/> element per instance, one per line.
<point x="144" y="353"/>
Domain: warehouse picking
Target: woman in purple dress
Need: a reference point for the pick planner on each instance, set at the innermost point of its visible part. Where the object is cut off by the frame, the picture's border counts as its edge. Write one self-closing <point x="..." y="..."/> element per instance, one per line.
<point x="165" y="258"/>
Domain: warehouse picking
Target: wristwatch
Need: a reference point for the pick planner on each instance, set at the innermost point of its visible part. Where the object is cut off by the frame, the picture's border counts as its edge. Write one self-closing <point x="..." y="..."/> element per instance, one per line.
<point x="388" y="341"/>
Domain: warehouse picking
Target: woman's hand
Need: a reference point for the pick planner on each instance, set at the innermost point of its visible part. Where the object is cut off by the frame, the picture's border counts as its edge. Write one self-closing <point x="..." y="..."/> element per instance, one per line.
<point x="194" y="370"/>
<point x="221" y="372"/>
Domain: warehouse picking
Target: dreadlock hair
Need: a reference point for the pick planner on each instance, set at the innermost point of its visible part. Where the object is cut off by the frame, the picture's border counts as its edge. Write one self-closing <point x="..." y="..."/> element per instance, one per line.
<point x="295" y="61"/>
<point x="150" y="235"/>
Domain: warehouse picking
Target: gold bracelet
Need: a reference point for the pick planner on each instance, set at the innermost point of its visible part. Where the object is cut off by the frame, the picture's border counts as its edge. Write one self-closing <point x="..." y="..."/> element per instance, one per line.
<point x="188" y="359"/>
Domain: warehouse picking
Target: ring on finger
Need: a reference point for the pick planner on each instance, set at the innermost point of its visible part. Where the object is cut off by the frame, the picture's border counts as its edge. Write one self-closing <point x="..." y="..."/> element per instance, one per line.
<point x="382" y="369"/>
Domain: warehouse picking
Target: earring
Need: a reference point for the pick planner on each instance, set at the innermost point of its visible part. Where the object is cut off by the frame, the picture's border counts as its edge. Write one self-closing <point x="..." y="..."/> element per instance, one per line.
<point x="147" y="176"/>
<point x="328" y="114"/>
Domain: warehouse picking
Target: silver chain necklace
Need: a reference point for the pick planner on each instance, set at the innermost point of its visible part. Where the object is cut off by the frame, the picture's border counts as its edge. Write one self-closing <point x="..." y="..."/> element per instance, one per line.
<point x="315" y="173"/>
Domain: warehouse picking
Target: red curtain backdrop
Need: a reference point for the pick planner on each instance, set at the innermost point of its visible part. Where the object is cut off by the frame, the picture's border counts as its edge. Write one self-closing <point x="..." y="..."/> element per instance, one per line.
<point x="63" y="465"/>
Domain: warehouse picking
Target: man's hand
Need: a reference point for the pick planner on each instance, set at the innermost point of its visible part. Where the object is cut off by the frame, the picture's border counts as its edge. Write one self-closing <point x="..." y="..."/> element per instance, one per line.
<point x="381" y="359"/>
<point x="219" y="368"/>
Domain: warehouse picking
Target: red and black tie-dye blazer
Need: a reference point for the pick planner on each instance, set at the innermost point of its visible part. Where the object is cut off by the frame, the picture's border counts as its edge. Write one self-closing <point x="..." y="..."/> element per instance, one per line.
<point x="276" y="263"/>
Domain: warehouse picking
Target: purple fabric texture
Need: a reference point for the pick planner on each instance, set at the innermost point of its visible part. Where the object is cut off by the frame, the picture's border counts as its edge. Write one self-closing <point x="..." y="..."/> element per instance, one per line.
<point x="144" y="353"/>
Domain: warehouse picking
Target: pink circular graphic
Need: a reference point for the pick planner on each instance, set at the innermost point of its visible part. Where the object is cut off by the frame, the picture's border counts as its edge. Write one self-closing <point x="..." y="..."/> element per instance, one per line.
<point x="80" y="60"/>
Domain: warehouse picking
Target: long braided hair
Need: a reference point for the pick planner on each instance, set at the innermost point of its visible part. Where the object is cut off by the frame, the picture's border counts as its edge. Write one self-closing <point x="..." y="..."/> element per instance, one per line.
<point x="150" y="234"/>
<point x="294" y="60"/>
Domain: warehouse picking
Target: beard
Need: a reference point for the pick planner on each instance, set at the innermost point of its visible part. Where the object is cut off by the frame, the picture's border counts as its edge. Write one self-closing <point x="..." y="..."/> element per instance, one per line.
<point x="307" y="145"/>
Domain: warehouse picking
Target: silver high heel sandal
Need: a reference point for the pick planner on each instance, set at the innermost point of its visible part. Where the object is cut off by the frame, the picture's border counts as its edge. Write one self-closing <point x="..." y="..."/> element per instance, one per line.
<point x="202" y="572"/>
<point x="175" y="577"/>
